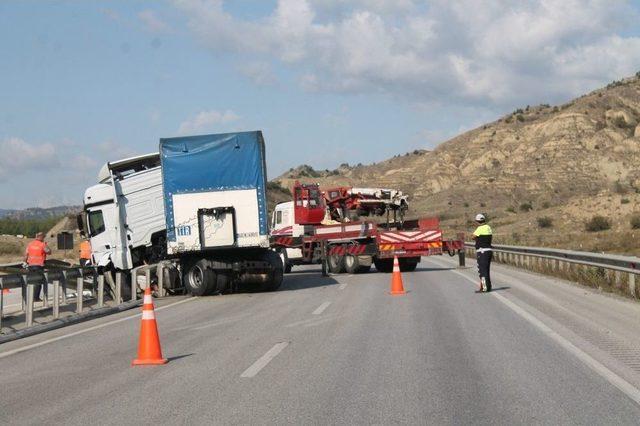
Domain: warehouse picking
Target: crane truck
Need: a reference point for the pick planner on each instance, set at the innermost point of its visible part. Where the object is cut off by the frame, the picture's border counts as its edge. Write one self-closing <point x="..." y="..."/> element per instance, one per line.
<point x="199" y="205"/>
<point x="325" y="227"/>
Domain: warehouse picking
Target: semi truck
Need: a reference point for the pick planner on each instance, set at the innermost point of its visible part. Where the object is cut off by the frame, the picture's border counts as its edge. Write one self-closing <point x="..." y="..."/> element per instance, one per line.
<point x="305" y="231"/>
<point x="198" y="205"/>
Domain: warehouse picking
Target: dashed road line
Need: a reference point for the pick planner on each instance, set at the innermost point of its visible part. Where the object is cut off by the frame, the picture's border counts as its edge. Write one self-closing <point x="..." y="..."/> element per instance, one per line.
<point x="264" y="360"/>
<point x="320" y="309"/>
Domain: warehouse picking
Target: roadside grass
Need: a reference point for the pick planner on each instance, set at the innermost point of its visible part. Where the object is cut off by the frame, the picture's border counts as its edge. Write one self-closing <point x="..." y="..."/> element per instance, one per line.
<point x="601" y="279"/>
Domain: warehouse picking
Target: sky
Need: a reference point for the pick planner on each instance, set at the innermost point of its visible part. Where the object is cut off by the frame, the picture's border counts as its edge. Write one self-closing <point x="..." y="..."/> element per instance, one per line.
<point x="327" y="81"/>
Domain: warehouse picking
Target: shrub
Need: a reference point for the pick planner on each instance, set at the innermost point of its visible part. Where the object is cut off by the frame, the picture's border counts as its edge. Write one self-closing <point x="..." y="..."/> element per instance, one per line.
<point x="638" y="74"/>
<point x="525" y="207"/>
<point x="619" y="188"/>
<point x="545" y="222"/>
<point x="511" y="210"/>
<point x="520" y="117"/>
<point x="620" y="122"/>
<point x="624" y="201"/>
<point x="275" y="186"/>
<point x="597" y="223"/>
<point x="635" y="221"/>
<point x="546" y="205"/>
<point x="466" y="204"/>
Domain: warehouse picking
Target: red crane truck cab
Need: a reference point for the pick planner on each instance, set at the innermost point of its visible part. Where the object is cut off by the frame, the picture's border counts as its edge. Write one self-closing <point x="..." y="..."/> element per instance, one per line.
<point x="308" y="204"/>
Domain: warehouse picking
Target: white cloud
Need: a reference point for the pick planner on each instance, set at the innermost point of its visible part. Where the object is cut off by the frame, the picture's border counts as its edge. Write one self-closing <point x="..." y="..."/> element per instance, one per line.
<point x="207" y="121"/>
<point x="260" y="73"/>
<point x="18" y="156"/>
<point x="493" y="52"/>
<point x="152" y="22"/>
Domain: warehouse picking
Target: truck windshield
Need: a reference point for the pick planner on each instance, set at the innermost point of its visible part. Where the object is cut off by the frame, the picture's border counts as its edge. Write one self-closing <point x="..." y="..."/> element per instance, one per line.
<point x="96" y="223"/>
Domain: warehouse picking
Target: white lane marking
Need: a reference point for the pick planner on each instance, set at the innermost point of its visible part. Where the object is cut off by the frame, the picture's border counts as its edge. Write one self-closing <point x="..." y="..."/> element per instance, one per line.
<point x="617" y="381"/>
<point x="320" y="309"/>
<point x="342" y="286"/>
<point x="264" y="360"/>
<point x="86" y="330"/>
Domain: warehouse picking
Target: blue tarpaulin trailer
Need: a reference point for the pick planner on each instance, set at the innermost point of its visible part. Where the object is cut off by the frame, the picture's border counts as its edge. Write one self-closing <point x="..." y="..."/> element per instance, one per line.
<point x="214" y="191"/>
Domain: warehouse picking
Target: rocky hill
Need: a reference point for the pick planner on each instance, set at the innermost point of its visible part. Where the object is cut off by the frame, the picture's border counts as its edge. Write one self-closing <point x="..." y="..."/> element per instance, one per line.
<point x="540" y="173"/>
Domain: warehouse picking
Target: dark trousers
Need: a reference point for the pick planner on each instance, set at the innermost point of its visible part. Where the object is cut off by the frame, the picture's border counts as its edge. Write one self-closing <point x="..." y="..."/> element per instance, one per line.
<point x="484" y="267"/>
<point x="36" y="287"/>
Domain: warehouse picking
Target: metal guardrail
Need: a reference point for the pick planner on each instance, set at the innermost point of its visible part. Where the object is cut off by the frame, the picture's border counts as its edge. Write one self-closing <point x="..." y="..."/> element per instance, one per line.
<point x="60" y="278"/>
<point x="559" y="258"/>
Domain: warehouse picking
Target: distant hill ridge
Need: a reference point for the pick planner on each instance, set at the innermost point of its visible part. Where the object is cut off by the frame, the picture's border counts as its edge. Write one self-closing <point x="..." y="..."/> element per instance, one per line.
<point x="39" y="212"/>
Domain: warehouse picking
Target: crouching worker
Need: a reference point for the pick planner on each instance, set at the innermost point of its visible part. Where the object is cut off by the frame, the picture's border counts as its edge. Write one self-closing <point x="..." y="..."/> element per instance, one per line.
<point x="484" y="253"/>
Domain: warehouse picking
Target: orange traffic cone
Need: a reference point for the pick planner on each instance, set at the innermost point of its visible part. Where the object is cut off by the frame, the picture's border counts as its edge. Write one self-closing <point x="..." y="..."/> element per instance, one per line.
<point x="149" y="352"/>
<point x="396" y="278"/>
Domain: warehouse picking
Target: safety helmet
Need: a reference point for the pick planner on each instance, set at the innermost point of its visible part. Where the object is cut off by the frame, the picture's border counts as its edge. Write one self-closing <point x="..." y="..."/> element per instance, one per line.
<point x="480" y="217"/>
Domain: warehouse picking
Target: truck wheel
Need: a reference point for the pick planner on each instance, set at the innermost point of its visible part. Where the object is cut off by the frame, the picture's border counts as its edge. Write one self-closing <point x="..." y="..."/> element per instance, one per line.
<point x="408" y="264"/>
<point x="285" y="261"/>
<point x="199" y="279"/>
<point x="335" y="262"/>
<point x="277" y="274"/>
<point x="351" y="264"/>
<point x="383" y="265"/>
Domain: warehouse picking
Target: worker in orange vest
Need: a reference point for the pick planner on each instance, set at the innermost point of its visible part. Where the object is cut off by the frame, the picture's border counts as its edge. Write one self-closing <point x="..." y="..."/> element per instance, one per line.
<point x="85" y="253"/>
<point x="34" y="258"/>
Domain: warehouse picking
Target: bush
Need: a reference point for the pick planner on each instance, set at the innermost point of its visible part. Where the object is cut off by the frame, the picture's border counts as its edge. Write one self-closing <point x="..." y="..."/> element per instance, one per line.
<point x="525" y="207"/>
<point x="466" y="204"/>
<point x="545" y="222"/>
<point x="510" y="210"/>
<point x="620" y="122"/>
<point x="597" y="223"/>
<point x="624" y="201"/>
<point x="619" y="188"/>
<point x="635" y="222"/>
<point x="520" y="117"/>
<point x="275" y="186"/>
<point x="546" y="205"/>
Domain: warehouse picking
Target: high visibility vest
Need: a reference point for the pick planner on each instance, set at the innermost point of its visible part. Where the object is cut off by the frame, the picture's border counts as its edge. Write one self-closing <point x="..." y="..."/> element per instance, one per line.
<point x="85" y="250"/>
<point x="484" y="236"/>
<point x="36" y="254"/>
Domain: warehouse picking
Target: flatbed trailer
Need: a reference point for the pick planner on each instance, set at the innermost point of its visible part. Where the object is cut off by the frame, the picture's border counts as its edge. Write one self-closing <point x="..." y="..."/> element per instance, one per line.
<point x="353" y="247"/>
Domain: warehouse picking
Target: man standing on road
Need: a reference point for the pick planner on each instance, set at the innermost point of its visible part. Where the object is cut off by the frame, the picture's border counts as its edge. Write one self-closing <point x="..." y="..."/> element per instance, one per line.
<point x="34" y="257"/>
<point x="484" y="253"/>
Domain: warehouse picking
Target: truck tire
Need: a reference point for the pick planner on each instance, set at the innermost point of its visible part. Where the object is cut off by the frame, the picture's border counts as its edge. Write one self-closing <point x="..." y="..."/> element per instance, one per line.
<point x="408" y="264"/>
<point x="351" y="264"/>
<point x="383" y="265"/>
<point x="278" y="271"/>
<point x="285" y="261"/>
<point x="335" y="262"/>
<point x="199" y="279"/>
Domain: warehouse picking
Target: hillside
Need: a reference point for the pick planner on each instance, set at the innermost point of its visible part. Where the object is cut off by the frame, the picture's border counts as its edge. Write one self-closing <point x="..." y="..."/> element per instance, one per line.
<point x="567" y="162"/>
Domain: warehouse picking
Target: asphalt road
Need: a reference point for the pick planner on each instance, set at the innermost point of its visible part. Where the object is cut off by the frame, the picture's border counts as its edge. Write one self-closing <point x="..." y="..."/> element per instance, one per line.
<point x="340" y="350"/>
